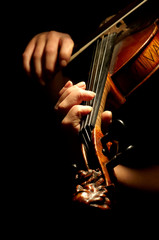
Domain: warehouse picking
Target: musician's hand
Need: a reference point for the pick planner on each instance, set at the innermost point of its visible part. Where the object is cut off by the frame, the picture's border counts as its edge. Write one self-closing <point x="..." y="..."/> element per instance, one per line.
<point x="45" y="52"/>
<point x="69" y="108"/>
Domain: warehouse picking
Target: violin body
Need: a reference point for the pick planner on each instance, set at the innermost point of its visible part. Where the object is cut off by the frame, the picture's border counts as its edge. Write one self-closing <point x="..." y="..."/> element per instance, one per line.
<point x="134" y="60"/>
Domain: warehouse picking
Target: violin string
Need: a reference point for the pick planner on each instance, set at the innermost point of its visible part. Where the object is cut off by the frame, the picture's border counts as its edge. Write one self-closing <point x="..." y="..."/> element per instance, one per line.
<point x="94" y="79"/>
<point x="96" y="83"/>
<point x="96" y="72"/>
<point x="90" y="82"/>
<point x="103" y="55"/>
<point x="98" y="62"/>
<point x="91" y="85"/>
<point x="93" y="66"/>
<point x="99" y="79"/>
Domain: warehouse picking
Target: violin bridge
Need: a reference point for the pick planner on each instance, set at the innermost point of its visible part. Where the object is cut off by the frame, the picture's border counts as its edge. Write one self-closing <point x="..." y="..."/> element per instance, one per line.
<point x="119" y="27"/>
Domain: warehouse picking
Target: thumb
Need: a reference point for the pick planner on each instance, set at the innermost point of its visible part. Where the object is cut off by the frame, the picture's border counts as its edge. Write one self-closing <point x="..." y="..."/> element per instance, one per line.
<point x="106" y="120"/>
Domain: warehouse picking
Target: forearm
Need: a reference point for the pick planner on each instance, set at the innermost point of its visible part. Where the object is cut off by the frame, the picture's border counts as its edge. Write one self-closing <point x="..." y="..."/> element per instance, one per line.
<point x="146" y="179"/>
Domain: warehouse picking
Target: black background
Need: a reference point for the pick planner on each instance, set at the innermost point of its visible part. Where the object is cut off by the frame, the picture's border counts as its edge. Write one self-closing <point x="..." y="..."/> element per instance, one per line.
<point x="33" y="189"/>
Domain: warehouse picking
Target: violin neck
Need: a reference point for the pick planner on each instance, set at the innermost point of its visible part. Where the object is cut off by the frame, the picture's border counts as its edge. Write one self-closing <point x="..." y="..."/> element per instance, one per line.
<point x="97" y="83"/>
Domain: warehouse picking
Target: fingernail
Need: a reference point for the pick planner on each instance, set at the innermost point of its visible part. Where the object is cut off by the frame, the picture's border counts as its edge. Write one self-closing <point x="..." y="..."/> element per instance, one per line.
<point x="42" y="82"/>
<point x="81" y="84"/>
<point x="92" y="93"/>
<point x="89" y="108"/>
<point x="68" y="84"/>
<point x="63" y="63"/>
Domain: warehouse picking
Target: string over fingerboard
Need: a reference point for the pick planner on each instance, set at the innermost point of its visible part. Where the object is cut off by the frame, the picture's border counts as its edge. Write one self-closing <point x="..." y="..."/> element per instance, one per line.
<point x="96" y="83"/>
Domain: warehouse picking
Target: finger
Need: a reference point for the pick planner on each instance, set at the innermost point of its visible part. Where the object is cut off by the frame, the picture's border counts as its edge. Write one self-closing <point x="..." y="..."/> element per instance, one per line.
<point x="68" y="90"/>
<point x="107" y="116"/>
<point x="38" y="58"/>
<point x="70" y="84"/>
<point x="106" y="120"/>
<point x="27" y="55"/>
<point x="51" y="52"/>
<point x="76" y="97"/>
<point x="67" y="85"/>
<point x="73" y="118"/>
<point x="81" y="85"/>
<point x="66" y="47"/>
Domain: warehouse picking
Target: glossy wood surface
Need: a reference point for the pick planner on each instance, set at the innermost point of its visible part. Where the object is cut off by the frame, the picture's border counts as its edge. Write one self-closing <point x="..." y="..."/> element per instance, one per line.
<point x="137" y="60"/>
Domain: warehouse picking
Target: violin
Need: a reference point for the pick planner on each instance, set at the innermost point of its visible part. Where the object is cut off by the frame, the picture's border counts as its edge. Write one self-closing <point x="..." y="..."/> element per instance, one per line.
<point x="120" y="64"/>
<point x="133" y="61"/>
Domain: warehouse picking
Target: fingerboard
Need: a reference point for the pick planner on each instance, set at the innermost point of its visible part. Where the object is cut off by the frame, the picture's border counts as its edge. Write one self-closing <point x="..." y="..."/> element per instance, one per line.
<point x="96" y="83"/>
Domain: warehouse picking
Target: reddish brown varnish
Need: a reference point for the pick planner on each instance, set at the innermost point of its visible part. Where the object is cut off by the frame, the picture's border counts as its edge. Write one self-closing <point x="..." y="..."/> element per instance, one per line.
<point x="97" y="135"/>
<point x="134" y="60"/>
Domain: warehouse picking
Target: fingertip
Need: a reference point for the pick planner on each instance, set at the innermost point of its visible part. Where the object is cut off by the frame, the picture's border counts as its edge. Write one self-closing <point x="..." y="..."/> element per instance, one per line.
<point x="42" y="82"/>
<point x="63" y="63"/>
<point x="106" y="118"/>
<point x="107" y="113"/>
<point x="86" y="110"/>
<point x="89" y="108"/>
<point x="66" y="44"/>
<point x="81" y="84"/>
<point x="68" y="84"/>
<point x="26" y="64"/>
<point x="92" y="94"/>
